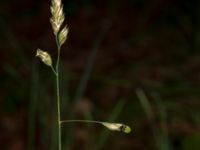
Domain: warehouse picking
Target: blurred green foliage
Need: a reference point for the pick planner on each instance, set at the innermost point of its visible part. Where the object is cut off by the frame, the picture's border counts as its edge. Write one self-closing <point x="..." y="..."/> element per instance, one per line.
<point x="191" y="142"/>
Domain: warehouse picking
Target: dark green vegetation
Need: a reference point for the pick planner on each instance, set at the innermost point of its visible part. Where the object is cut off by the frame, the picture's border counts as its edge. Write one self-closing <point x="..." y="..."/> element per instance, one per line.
<point x="130" y="61"/>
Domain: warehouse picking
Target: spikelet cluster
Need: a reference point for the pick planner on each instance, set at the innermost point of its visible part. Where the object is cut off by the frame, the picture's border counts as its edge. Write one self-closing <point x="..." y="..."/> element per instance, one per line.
<point x="62" y="37"/>
<point x="57" y="20"/>
<point x="57" y="15"/>
<point x="117" y="127"/>
<point x="44" y="56"/>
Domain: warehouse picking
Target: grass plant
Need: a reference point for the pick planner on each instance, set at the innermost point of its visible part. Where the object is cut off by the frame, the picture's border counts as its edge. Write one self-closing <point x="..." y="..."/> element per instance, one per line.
<point x="61" y="34"/>
<point x="160" y="135"/>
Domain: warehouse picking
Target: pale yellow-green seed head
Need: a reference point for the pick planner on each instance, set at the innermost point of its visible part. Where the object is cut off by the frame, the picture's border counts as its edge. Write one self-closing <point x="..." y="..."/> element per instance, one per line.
<point x="57" y="15"/>
<point x="63" y="35"/>
<point x="117" y="127"/>
<point x="57" y="2"/>
<point x="44" y="56"/>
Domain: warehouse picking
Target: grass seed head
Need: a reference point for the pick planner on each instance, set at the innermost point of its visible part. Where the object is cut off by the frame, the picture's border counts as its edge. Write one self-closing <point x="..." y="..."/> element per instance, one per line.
<point x="44" y="56"/>
<point x="117" y="127"/>
<point x="63" y="35"/>
<point x="58" y="16"/>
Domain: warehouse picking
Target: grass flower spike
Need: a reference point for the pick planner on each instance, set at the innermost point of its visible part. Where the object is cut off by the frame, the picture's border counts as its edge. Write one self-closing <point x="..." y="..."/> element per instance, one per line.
<point x="117" y="127"/>
<point x="45" y="57"/>
<point x="57" y="15"/>
<point x="62" y="37"/>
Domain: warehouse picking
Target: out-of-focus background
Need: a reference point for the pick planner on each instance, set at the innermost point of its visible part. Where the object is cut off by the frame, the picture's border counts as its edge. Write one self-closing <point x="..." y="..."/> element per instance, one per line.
<point x="130" y="61"/>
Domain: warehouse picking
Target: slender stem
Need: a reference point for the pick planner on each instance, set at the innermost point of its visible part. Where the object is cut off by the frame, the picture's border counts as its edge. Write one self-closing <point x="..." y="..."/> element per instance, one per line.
<point x="54" y="71"/>
<point x="84" y="121"/>
<point x="58" y="96"/>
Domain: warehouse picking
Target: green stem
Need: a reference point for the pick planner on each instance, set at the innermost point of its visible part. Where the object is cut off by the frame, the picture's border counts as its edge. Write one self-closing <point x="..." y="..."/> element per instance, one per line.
<point x="54" y="71"/>
<point x="84" y="121"/>
<point x="58" y="95"/>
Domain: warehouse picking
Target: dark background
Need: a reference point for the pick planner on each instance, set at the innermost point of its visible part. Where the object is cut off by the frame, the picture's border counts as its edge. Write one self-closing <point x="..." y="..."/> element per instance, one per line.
<point x="130" y="61"/>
